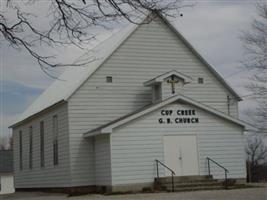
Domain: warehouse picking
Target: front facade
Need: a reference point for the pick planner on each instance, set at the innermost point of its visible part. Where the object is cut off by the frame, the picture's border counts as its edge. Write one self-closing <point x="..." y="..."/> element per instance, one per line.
<point x="149" y="95"/>
<point x="134" y="153"/>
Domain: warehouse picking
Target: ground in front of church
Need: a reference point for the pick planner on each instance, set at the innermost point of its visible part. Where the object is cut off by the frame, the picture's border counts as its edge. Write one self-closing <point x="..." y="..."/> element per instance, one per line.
<point x="242" y="194"/>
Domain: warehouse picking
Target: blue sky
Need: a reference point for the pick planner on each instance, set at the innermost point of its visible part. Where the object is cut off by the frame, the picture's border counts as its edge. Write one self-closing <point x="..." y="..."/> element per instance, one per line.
<point x="213" y="28"/>
<point x="16" y="96"/>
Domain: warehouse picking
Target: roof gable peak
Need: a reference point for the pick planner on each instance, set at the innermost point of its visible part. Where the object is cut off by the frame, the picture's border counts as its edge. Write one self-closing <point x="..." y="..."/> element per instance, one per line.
<point x="162" y="77"/>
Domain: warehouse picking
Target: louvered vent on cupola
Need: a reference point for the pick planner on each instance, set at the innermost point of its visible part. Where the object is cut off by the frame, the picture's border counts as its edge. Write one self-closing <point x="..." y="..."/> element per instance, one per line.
<point x="167" y="85"/>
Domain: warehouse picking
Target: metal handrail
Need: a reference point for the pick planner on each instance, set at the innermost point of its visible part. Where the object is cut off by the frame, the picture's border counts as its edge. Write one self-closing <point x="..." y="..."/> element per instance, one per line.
<point x="225" y="170"/>
<point x="172" y="172"/>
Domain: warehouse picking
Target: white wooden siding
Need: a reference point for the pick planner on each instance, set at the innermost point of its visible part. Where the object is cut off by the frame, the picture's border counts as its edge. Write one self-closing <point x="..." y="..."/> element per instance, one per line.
<point x="102" y="160"/>
<point x="82" y="165"/>
<point x="153" y="49"/>
<point x="137" y="144"/>
<point x="50" y="175"/>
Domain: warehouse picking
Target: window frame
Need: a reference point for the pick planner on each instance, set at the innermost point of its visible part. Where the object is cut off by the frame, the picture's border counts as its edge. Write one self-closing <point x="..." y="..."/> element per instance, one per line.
<point x="42" y="154"/>
<point x="109" y="79"/>
<point x="55" y="140"/>
<point x="30" y="146"/>
<point x="200" y="80"/>
<point x="20" y="151"/>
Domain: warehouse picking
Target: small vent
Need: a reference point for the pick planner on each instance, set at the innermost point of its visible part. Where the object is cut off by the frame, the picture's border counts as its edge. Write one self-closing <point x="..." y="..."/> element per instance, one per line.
<point x="109" y="79"/>
<point x="200" y="80"/>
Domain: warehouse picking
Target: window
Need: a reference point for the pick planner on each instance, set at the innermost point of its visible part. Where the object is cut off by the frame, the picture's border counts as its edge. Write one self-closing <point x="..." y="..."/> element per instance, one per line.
<point x="30" y="147"/>
<point x="55" y="139"/>
<point x="20" y="150"/>
<point x="200" y="80"/>
<point x="42" y="143"/>
<point x="109" y="79"/>
<point x="228" y="104"/>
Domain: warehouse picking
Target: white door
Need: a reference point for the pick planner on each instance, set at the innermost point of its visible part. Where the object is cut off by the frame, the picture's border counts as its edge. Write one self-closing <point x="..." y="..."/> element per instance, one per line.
<point x="180" y="155"/>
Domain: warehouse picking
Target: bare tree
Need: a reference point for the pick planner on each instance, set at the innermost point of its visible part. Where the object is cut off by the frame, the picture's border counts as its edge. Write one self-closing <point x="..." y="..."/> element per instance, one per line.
<point x="6" y="142"/>
<point x="69" y="22"/>
<point x="256" y="157"/>
<point x="10" y="142"/>
<point x="256" y="151"/>
<point x="255" y="43"/>
<point x="3" y="143"/>
<point x="258" y="116"/>
<point x="2" y="147"/>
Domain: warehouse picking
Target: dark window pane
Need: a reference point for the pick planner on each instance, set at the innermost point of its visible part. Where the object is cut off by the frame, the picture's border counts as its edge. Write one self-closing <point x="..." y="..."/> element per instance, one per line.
<point x="55" y="139"/>
<point x="42" y="143"/>
<point x="200" y="80"/>
<point x="109" y="79"/>
<point x="20" y="150"/>
<point x="30" y="147"/>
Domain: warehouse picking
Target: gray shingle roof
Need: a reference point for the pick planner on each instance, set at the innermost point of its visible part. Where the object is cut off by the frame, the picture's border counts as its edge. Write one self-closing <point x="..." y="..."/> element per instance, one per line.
<point x="6" y="161"/>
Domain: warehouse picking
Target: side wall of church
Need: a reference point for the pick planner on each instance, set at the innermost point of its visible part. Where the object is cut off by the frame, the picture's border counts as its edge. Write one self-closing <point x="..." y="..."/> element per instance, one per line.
<point x="49" y="175"/>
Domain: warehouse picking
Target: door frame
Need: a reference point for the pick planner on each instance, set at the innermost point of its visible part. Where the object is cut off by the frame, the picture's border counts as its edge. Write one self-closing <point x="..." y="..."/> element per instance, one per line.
<point x="184" y="134"/>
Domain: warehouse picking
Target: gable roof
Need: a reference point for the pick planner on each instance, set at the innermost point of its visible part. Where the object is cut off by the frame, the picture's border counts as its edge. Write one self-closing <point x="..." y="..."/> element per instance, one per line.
<point x="108" y="128"/>
<point x="6" y="161"/>
<point x="73" y="77"/>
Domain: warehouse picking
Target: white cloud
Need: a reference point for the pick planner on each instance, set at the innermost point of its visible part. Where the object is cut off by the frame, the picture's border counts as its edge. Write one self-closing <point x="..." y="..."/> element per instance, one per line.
<point x="22" y="69"/>
<point x="214" y="31"/>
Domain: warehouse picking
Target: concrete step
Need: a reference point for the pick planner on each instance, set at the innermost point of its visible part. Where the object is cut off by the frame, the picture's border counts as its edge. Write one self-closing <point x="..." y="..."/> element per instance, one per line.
<point x="193" y="184"/>
<point x="184" y="179"/>
<point x="190" y="182"/>
<point x="214" y="187"/>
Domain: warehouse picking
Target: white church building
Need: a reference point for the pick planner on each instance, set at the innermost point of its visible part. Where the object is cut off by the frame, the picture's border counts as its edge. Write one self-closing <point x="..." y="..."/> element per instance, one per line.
<point x="148" y="100"/>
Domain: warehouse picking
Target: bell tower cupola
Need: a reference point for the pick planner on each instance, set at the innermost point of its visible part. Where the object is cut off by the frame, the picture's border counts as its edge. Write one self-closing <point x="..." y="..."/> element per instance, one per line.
<point x="167" y="85"/>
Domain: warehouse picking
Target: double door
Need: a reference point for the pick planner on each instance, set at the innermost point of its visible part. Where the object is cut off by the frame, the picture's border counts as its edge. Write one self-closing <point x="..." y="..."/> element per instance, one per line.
<point x="180" y="154"/>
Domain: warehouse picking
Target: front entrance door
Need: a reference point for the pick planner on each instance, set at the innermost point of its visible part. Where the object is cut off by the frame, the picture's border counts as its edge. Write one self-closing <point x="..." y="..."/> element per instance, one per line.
<point x="180" y="154"/>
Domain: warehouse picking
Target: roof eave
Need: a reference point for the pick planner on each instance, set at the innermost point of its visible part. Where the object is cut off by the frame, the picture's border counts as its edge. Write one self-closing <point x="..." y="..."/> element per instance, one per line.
<point x="92" y="133"/>
<point x="96" y="132"/>
<point x="42" y="111"/>
<point x="151" y="82"/>
<point x="249" y="127"/>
